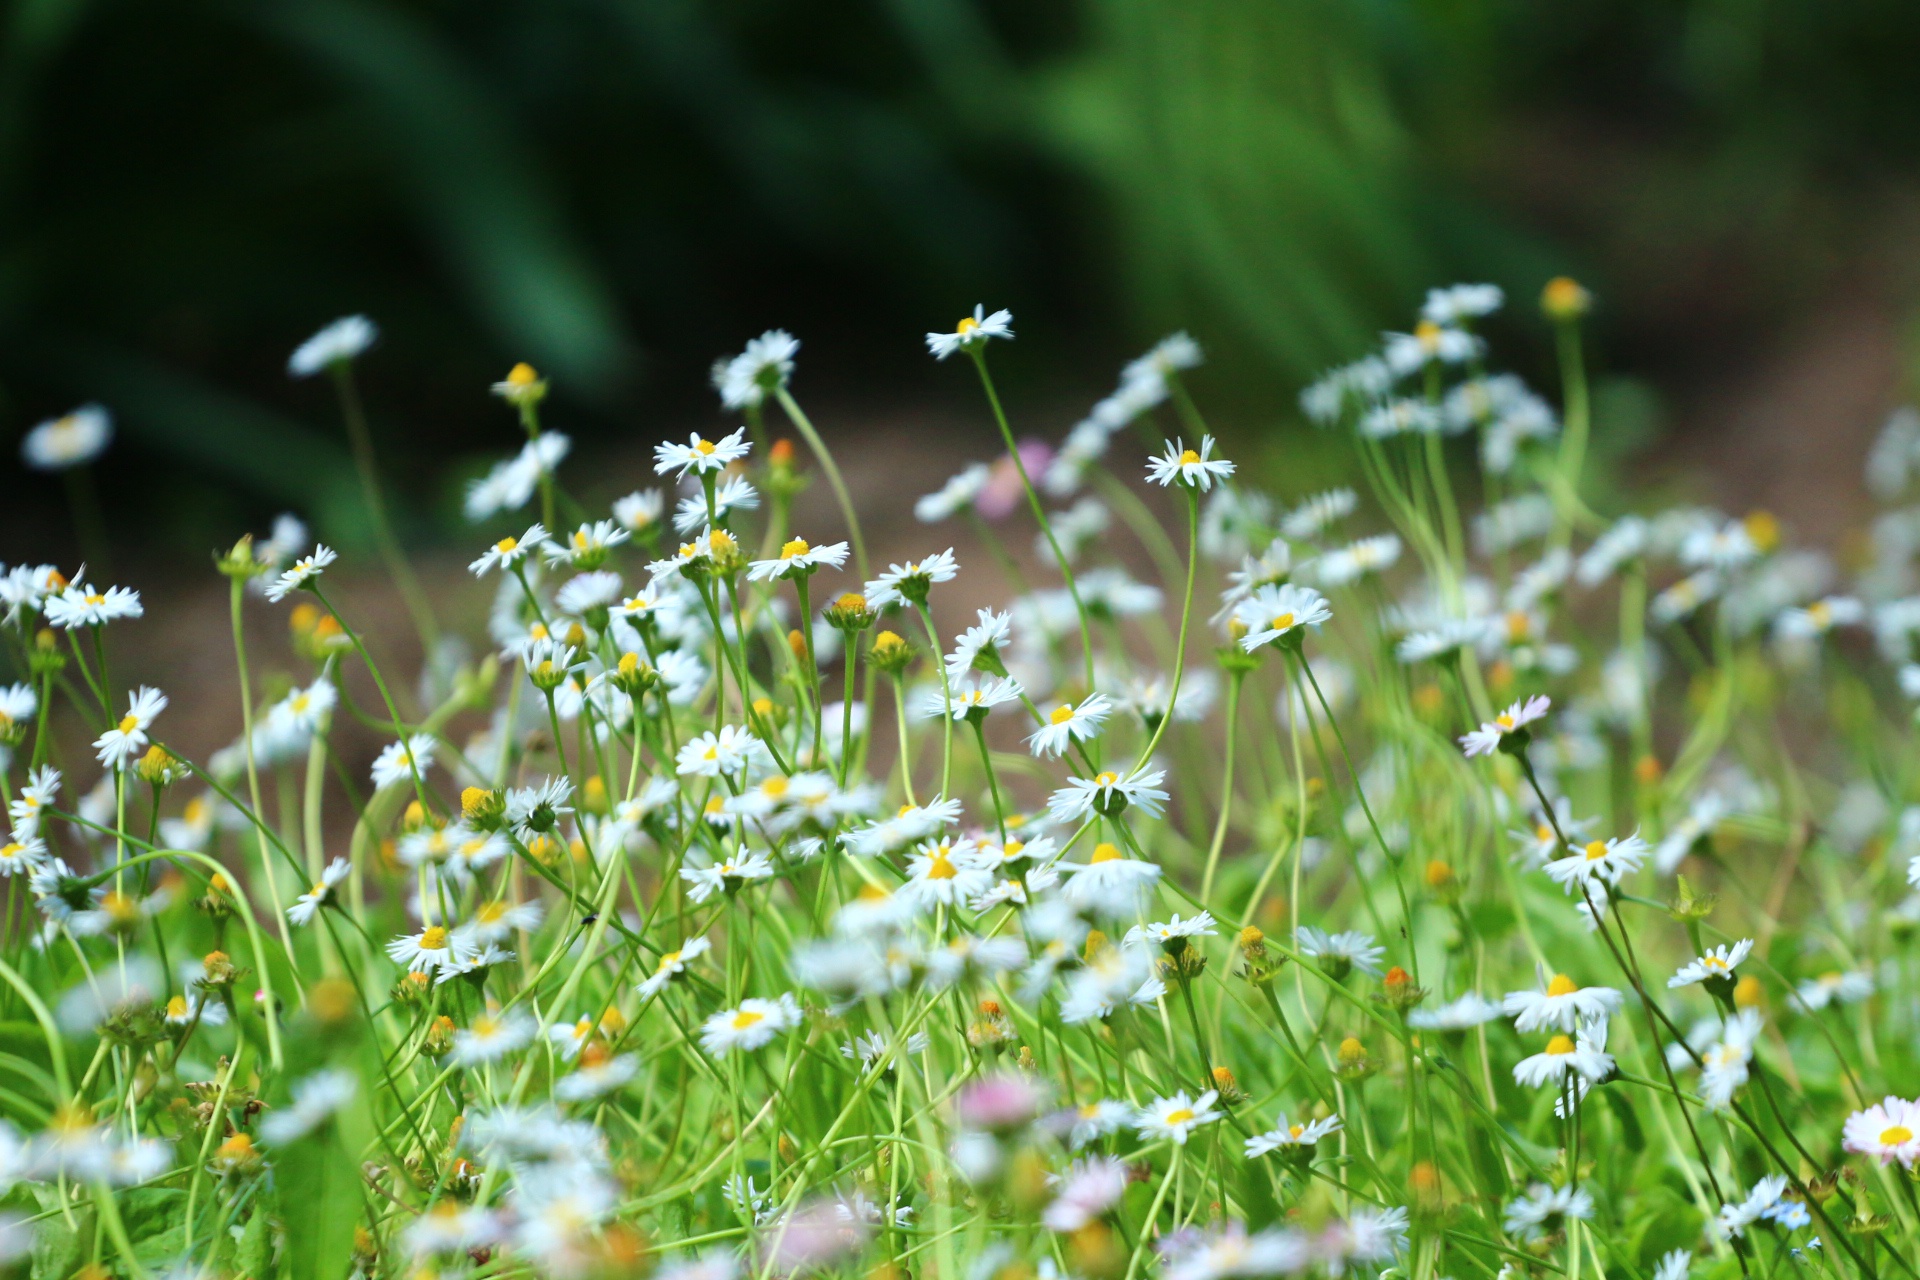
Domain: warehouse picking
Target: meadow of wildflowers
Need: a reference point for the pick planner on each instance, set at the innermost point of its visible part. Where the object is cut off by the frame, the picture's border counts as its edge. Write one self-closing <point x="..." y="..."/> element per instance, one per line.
<point x="1436" y="878"/>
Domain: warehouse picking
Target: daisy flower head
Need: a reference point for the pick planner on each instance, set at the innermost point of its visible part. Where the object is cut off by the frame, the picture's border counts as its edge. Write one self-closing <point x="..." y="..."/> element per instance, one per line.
<point x="731" y="493"/>
<point x="1674" y="1264"/>
<point x="1564" y="1005"/>
<point x="1469" y="1011"/>
<point x="83" y="605"/>
<point x="1599" y="862"/>
<point x="958" y="494"/>
<point x="908" y="583"/>
<point x="585" y="594"/>
<point x="1715" y="966"/>
<point x="1819" y="618"/>
<point x="1280" y="615"/>
<point x="433" y="948"/>
<point x="972" y="701"/>
<point x="1458" y="302"/>
<point x="1173" y="936"/>
<point x="1108" y="883"/>
<point x="699" y="455"/>
<point x="1725" y="1065"/>
<point x="1356" y="560"/>
<point x="1544" y="1209"/>
<point x="308" y="904"/>
<point x="764" y="366"/>
<point x="972" y="332"/>
<point x="332" y="347"/>
<point x="1068" y="724"/>
<point x="399" y="761"/>
<point x="68" y="441"/>
<point x="1845" y="988"/>
<point x="1888" y="1130"/>
<point x="1190" y="468"/>
<point x="726" y="876"/>
<point x="523" y="387"/>
<point x="1175" y="1118"/>
<point x="639" y="511"/>
<point x="300" y="573"/>
<point x="1737" y="1216"/>
<point x="1430" y="341"/>
<point x="491" y="1037"/>
<point x="798" y="559"/>
<point x="510" y="552"/>
<point x="1109" y="794"/>
<point x="978" y="647"/>
<point x="1507" y="731"/>
<point x="711" y="754"/>
<point x="1087" y="1189"/>
<point x="1338" y="954"/>
<point x="672" y="964"/>
<point x="752" y="1025"/>
<point x="22" y="855"/>
<point x="587" y="546"/>
<point x="1563" y="1057"/>
<point x="123" y="743"/>
<point x="1291" y="1139"/>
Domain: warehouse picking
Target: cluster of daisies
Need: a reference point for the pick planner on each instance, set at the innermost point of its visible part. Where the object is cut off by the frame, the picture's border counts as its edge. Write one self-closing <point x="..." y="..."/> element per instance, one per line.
<point x="1433" y="886"/>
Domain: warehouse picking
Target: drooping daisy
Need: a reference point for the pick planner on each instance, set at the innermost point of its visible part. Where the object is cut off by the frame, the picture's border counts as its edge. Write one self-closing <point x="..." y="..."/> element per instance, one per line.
<point x="972" y="331"/>
<point x="979" y="646"/>
<point x="1599" y="863"/>
<point x="399" y="761"/>
<point x="1176" y="1117"/>
<point x="1069" y="724"/>
<point x="125" y="742"/>
<point x="1495" y="733"/>
<point x="1564" y="1005"/>
<point x="1563" y="1057"/>
<point x="765" y="365"/>
<point x="700" y="455"/>
<point x="302" y="571"/>
<point x="510" y="551"/>
<point x="1108" y="794"/>
<point x="68" y="441"/>
<point x="752" y="1025"/>
<point x="1718" y="963"/>
<point x="1726" y="1064"/>
<point x="1191" y="468"/>
<point x="42" y="789"/>
<point x="1888" y="1130"/>
<point x="1279" y="614"/>
<point x="798" y="559"/>
<point x="308" y="904"/>
<point x="908" y="583"/>
<point x="1285" y="1136"/>
<point x="336" y="344"/>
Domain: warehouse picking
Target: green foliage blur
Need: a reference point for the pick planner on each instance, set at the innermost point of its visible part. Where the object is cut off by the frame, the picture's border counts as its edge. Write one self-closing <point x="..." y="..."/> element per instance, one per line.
<point x="620" y="190"/>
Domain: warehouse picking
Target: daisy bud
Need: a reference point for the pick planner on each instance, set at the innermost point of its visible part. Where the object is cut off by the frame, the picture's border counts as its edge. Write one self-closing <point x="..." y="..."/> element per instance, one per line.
<point x="522" y="387"/>
<point x="218" y="970"/>
<point x="1763" y="528"/>
<point x="1226" y="1086"/>
<point x="46" y="658"/>
<point x="439" y="1036"/>
<point x="237" y="1154"/>
<point x="593" y="795"/>
<point x="1564" y="299"/>
<point x="1647" y="771"/>
<point x="547" y="675"/>
<point x="780" y="454"/>
<point x="850" y="613"/>
<point x="890" y="653"/>
<point x="158" y="767"/>
<point x="1423" y="1186"/>
<point x="1749" y="994"/>
<point x="217" y="901"/>
<point x="1351" y="1062"/>
<point x="331" y="1001"/>
<point x="1689" y="906"/>
<point x="1398" y="992"/>
<point x="239" y="562"/>
<point x="1443" y="881"/>
<point x="411" y="989"/>
<point x="797" y="645"/>
<point x="482" y="809"/>
<point x="633" y="675"/>
<point x="414" y="818"/>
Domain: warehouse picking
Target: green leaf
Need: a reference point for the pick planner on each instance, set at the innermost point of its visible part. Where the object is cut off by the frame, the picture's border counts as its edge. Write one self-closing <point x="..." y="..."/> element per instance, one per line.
<point x="256" y="1248"/>
<point x="320" y="1203"/>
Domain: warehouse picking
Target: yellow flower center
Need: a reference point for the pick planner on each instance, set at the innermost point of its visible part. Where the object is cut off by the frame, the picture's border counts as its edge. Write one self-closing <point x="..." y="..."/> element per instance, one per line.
<point x="669" y="960"/>
<point x="1013" y="847"/>
<point x="507" y="545"/>
<point x="129" y="722"/>
<point x="1188" y="457"/>
<point x="491" y="912"/>
<point x="1543" y="832"/>
<point x="775" y="787"/>
<point x="1895" y="1135"/>
<point x="1179" y="1115"/>
<point x="1105" y="852"/>
<point x="1560" y="1046"/>
<point x="941" y="867"/>
<point x="703" y="447"/>
<point x="1562" y="985"/>
<point x="716" y="804"/>
<point x="1503" y="722"/>
<point x="13" y="850"/>
<point x="1061" y="714"/>
<point x="1106" y="779"/>
<point x="522" y="375"/>
<point x="95" y="598"/>
<point x="177" y="1007"/>
<point x="746" y="1018"/>
<point x="797" y="547"/>
<point x="1596" y="850"/>
<point x="319" y="889"/>
<point x="1715" y="963"/>
<point x="1822" y="614"/>
<point x="580" y="540"/>
<point x="966" y="326"/>
<point x="1281" y="622"/>
<point x="433" y="939"/>
<point x="486" y="1027"/>
<point x="1429" y="335"/>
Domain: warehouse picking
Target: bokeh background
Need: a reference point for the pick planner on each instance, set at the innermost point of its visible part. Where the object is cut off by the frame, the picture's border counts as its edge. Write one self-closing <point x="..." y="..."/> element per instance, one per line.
<point x="620" y="190"/>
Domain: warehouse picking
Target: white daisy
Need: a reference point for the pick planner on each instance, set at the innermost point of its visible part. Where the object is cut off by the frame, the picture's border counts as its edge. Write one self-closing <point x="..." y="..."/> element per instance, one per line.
<point x="700" y="455"/>
<point x="972" y="331"/>
<point x="127" y="740"/>
<point x="1069" y="724"/>
<point x="399" y="761"/>
<point x="302" y="572"/>
<point x="798" y="559"/>
<point x="1888" y="1130"/>
<point x="1718" y="963"/>
<point x="1275" y="614"/>
<point x="1599" y="862"/>
<point x="68" y="441"/>
<point x="510" y="551"/>
<point x="750" y="1026"/>
<point x="336" y="344"/>
<point x="908" y="583"/>
<point x="83" y="605"/>
<point x="1176" y="1117"/>
<point x="1563" y="1057"/>
<point x="491" y="1037"/>
<point x="956" y="495"/>
<point x="308" y="904"/>
<point x="1285" y="1135"/>
<point x="1193" y="469"/>
<point x="1108" y="794"/>
<point x="1564" y="1005"/>
<point x="672" y="964"/>
<point x="744" y="381"/>
<point x="1492" y="735"/>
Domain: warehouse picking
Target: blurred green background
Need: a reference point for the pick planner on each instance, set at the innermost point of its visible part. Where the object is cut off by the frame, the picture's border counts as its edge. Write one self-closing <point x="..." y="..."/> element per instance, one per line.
<point x="620" y="190"/>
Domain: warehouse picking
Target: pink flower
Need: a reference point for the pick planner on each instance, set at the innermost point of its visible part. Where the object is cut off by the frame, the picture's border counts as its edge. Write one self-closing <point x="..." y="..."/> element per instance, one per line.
<point x="1004" y="491"/>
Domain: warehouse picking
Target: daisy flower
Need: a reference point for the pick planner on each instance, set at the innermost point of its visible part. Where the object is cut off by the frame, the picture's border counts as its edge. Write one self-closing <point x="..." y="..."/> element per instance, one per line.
<point x="498" y="920"/>
<point x="1888" y="1130"/>
<point x="68" y="441"/>
<point x="42" y="789"/>
<point x="972" y="331"/>
<point x="1108" y="794"/>
<point x="1356" y="560"/>
<point x="1094" y="1121"/>
<point x="943" y="873"/>
<point x="510" y="551"/>
<point x="1451" y="305"/>
<point x="315" y="1099"/>
<point x="700" y="455"/>
<point x="1725" y="1064"/>
<point x="83" y="605"/>
<point x="1494" y="734"/>
<point x="1847" y="988"/>
<point x="1278" y="614"/>
<point x="908" y="583"/>
<point x="1069" y="724"/>
<point x="1317" y="514"/>
<point x="569" y="1038"/>
<point x="957" y="495"/>
<point x="726" y="875"/>
<point x="1543" y="1209"/>
<point x="523" y="386"/>
<point x="1735" y="1218"/>
<point x="334" y="345"/>
<point x="308" y="904"/>
<point x="1109" y="882"/>
<point x="1339" y="952"/>
<point x="971" y="700"/>
<point x="731" y="493"/>
<point x="1469" y="1011"/>
<point x="1601" y="862"/>
<point x="1173" y="935"/>
<point x="22" y="856"/>
<point x="1561" y="1058"/>
<point x="639" y="510"/>
<point x="588" y="591"/>
<point x="1719" y="963"/>
<point x="303" y="571"/>
<point x="978" y="647"/>
<point x="798" y="559"/>
<point x="1192" y="469"/>
<point x="124" y="743"/>
<point x="1087" y="1189"/>
<point x="1564" y="1005"/>
<point x="587" y="546"/>
<point x="1674" y="1264"/>
<point x="1295" y="1136"/>
<point x="712" y="754"/>
<point x="752" y="1025"/>
<point x="765" y="365"/>
<point x="399" y="761"/>
<point x="1176" y="1117"/>
<point x="423" y="952"/>
<point x="672" y="964"/>
<point x="491" y="1037"/>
